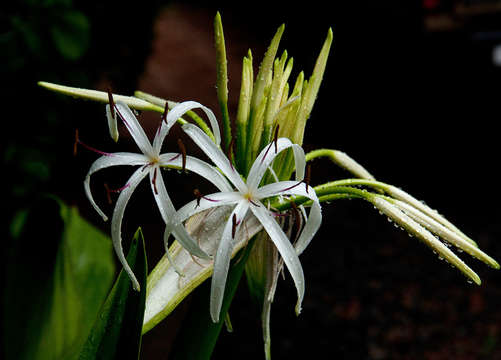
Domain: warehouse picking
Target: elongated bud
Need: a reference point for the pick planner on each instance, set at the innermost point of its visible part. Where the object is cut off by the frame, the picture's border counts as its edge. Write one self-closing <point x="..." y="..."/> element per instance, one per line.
<point x="413" y="228"/>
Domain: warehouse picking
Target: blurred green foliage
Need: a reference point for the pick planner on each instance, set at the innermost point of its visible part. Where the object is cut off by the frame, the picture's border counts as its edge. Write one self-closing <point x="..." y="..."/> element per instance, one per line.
<point x="54" y="260"/>
<point x="59" y="269"/>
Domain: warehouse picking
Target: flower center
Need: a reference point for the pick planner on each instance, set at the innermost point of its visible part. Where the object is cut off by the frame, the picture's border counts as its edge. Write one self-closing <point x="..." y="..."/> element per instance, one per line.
<point x="250" y="198"/>
<point x="154" y="160"/>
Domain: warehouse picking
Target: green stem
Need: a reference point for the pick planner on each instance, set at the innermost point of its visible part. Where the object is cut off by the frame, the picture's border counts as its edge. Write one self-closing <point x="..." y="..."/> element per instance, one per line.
<point x="325" y="193"/>
<point x="342" y="160"/>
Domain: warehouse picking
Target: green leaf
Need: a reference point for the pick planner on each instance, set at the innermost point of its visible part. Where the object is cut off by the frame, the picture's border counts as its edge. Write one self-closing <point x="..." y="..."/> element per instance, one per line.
<point x="198" y="335"/>
<point x="117" y="331"/>
<point x="59" y="269"/>
<point x="71" y="34"/>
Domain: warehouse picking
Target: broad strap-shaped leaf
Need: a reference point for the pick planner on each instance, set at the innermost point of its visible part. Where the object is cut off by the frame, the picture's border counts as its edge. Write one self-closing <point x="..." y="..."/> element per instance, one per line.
<point x="117" y="331"/>
<point x="59" y="269"/>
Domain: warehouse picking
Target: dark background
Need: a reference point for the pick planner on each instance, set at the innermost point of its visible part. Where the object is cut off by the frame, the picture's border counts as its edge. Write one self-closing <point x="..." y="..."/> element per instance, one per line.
<point x="410" y="92"/>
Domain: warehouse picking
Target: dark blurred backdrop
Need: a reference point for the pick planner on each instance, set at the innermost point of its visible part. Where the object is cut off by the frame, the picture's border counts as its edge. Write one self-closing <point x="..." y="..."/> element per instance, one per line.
<point x="411" y="92"/>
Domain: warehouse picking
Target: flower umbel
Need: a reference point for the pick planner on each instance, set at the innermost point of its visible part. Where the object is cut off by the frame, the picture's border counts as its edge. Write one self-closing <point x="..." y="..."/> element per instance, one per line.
<point x="150" y="162"/>
<point x="249" y="196"/>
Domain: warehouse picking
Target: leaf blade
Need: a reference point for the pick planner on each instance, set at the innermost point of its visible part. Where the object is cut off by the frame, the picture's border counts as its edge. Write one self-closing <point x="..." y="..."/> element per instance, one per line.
<point x="117" y="330"/>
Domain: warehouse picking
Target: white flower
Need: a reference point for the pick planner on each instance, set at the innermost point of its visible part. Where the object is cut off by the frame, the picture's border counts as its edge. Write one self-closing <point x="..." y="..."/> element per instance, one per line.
<point x="150" y="161"/>
<point x="249" y="195"/>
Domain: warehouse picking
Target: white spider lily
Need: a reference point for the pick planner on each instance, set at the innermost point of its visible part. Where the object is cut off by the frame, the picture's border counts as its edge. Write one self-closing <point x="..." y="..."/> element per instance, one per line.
<point x="248" y="196"/>
<point x="150" y="162"/>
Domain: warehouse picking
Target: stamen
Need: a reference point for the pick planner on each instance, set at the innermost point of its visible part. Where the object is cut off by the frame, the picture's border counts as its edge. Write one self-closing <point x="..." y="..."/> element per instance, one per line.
<point x="230" y="152"/>
<point x="198" y="195"/>
<point x="166" y="111"/>
<point x="78" y="141"/>
<point x="275" y="138"/>
<point x="175" y="157"/>
<point x="278" y="214"/>
<point x="154" y="181"/>
<point x="183" y="152"/>
<point x="163" y="118"/>
<point x="108" y="195"/>
<point x="297" y="217"/>
<point x="307" y="177"/>
<point x="266" y="153"/>
<point x="234" y="225"/>
<point x="292" y="187"/>
<point x="112" y="103"/>
<point x="109" y="191"/>
<point x="195" y="260"/>
<point x="122" y="117"/>
<point x="274" y="142"/>
<point x="75" y="144"/>
<point x="253" y="203"/>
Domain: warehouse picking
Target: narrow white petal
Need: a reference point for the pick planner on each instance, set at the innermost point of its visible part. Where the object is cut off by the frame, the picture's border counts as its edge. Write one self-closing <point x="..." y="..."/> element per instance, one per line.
<point x="116" y="221"/>
<point x="222" y="260"/>
<point x="135" y="129"/>
<point x="162" y="133"/>
<point x="215" y="154"/>
<point x="266" y="157"/>
<point x="112" y="124"/>
<point x="168" y="213"/>
<point x="160" y="194"/>
<point x="292" y="188"/>
<point x="114" y="159"/>
<point x="165" y="288"/>
<point x="177" y="269"/>
<point x="284" y="247"/>
<point x="207" y="202"/>
<point x="199" y="167"/>
<point x="180" y="109"/>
